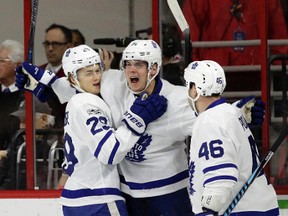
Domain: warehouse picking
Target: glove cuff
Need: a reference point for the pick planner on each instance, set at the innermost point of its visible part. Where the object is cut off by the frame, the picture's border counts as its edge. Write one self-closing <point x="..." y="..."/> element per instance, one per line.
<point x="134" y="123"/>
<point x="48" y="78"/>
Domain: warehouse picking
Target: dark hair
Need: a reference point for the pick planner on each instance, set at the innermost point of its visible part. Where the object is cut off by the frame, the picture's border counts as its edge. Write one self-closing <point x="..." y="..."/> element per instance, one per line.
<point x="82" y="38"/>
<point x="66" y="31"/>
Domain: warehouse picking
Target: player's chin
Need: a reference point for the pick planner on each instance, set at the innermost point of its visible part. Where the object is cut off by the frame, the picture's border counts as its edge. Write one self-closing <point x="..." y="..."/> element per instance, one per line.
<point x="135" y="86"/>
<point x="96" y="90"/>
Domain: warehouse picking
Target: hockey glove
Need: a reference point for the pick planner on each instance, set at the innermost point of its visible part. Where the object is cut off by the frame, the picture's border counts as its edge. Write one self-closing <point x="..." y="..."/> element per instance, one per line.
<point x="45" y="77"/>
<point x="253" y="110"/>
<point x="23" y="81"/>
<point x="144" y="111"/>
<point x="258" y="113"/>
<point x="21" y="78"/>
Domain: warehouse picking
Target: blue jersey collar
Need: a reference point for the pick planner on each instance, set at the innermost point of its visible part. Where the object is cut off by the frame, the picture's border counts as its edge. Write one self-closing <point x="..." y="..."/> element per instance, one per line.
<point x="216" y="103"/>
<point x="158" y="86"/>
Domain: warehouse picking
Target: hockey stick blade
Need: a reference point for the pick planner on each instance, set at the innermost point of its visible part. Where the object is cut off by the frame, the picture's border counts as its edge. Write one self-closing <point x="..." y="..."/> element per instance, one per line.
<point x="182" y="23"/>
<point x="257" y="171"/>
<point x="178" y="14"/>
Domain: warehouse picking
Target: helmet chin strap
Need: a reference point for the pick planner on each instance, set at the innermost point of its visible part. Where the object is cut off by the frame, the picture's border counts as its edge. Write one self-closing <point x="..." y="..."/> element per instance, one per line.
<point x="77" y="86"/>
<point x="192" y="103"/>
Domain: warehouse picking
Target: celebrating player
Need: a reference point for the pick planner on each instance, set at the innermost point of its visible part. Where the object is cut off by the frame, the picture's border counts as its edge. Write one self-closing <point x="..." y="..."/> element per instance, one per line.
<point x="92" y="146"/>
<point x="223" y="151"/>
<point x="154" y="174"/>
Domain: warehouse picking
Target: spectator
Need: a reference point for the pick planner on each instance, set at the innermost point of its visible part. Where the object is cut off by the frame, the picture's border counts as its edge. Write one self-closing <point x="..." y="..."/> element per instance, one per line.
<point x="57" y="39"/>
<point x="11" y="55"/>
<point x="234" y="20"/>
<point x="223" y="151"/>
<point x="77" y="38"/>
<point x="43" y="120"/>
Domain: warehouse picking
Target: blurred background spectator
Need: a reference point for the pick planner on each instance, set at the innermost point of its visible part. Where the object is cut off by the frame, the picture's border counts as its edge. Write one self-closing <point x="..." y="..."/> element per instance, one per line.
<point x="77" y="37"/>
<point x="234" y="20"/>
<point x="57" y="39"/>
<point x="11" y="55"/>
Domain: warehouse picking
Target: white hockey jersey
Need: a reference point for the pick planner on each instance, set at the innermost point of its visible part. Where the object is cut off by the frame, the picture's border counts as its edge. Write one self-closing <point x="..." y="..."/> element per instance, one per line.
<point x="223" y="154"/>
<point x="157" y="164"/>
<point x="92" y="148"/>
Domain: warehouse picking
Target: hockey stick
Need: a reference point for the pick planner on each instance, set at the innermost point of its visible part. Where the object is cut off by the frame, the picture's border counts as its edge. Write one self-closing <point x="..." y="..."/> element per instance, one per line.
<point x="182" y="23"/>
<point x="257" y="171"/>
<point x="34" y="10"/>
<point x="32" y="83"/>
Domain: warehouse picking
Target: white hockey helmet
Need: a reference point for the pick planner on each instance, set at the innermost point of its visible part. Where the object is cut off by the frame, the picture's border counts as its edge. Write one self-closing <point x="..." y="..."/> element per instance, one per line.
<point x="144" y="50"/>
<point x="79" y="57"/>
<point x="208" y="77"/>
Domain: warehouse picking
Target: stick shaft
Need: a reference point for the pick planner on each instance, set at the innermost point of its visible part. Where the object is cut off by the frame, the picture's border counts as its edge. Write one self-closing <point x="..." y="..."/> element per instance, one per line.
<point x="257" y="171"/>
<point x="34" y="10"/>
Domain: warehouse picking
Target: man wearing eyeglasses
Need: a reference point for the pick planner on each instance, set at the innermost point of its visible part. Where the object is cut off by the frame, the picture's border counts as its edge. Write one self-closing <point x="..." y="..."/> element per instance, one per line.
<point x="58" y="39"/>
<point x="11" y="56"/>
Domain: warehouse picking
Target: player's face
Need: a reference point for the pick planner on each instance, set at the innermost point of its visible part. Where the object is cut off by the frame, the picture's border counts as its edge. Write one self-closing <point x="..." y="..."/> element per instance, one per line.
<point x="89" y="79"/>
<point x="136" y="74"/>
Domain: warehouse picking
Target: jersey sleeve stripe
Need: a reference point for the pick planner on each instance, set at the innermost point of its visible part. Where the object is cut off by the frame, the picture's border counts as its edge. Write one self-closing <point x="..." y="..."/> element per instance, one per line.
<point x="223" y="177"/>
<point x="217" y="167"/>
<point x="114" y="150"/>
<point x="101" y="143"/>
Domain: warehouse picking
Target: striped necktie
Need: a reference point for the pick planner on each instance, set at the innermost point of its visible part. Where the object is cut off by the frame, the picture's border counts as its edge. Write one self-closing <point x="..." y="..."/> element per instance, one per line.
<point x="6" y="90"/>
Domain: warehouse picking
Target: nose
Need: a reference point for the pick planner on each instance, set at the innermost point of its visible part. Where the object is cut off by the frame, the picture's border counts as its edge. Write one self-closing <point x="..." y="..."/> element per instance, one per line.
<point x="49" y="47"/>
<point x="96" y="75"/>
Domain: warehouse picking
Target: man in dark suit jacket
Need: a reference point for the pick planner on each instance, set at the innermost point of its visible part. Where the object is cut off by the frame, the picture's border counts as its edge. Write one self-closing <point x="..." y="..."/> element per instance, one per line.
<point x="11" y="55"/>
<point x="58" y="38"/>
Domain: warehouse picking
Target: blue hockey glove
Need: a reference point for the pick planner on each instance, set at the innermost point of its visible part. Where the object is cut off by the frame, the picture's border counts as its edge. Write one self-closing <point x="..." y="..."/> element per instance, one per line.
<point x="143" y="111"/>
<point x="258" y="113"/>
<point x="24" y="82"/>
<point x="21" y="78"/>
<point x="45" y="77"/>
<point x="253" y="110"/>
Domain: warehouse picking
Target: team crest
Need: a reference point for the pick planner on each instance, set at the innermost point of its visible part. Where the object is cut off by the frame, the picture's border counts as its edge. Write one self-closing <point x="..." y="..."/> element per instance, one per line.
<point x="137" y="153"/>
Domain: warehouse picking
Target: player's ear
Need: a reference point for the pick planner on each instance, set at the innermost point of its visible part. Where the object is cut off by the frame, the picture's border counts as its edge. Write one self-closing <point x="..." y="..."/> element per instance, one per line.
<point x="154" y="70"/>
<point x="193" y="91"/>
<point x="71" y="79"/>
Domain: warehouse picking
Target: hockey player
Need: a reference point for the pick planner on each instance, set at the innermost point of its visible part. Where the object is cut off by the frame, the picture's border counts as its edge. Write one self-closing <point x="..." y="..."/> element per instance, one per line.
<point x="154" y="174"/>
<point x="92" y="146"/>
<point x="223" y="151"/>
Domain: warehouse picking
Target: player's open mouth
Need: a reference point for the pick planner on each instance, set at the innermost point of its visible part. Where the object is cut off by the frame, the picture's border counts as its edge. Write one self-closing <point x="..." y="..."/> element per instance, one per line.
<point x="134" y="79"/>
